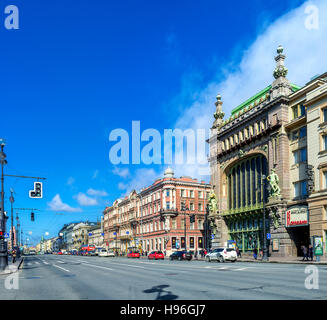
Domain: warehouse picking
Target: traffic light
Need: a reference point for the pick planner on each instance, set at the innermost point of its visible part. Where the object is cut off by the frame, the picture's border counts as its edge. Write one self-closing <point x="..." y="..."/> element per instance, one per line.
<point x="32" y="216"/>
<point x="192" y="218"/>
<point x="37" y="192"/>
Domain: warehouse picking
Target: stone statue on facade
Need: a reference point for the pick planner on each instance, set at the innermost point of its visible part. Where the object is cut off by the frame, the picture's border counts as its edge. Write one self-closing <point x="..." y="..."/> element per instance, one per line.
<point x="213" y="203"/>
<point x="274" y="181"/>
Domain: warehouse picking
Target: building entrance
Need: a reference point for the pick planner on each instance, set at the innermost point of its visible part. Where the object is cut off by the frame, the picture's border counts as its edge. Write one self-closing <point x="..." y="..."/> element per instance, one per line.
<point x="300" y="236"/>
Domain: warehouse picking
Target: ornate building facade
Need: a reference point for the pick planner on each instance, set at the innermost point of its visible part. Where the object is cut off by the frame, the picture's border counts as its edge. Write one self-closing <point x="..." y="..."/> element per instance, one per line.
<point x="259" y="164"/>
<point x="153" y="219"/>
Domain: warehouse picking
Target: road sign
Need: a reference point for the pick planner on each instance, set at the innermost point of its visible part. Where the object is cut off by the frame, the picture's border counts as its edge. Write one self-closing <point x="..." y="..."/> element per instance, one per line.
<point x="102" y="234"/>
<point x="115" y="233"/>
<point x="212" y="236"/>
<point x="90" y="234"/>
<point x="6" y="235"/>
<point x="268" y="236"/>
<point x="127" y="232"/>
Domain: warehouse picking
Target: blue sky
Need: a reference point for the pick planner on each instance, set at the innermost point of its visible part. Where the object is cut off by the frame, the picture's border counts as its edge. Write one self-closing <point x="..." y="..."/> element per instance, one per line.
<point x="76" y="70"/>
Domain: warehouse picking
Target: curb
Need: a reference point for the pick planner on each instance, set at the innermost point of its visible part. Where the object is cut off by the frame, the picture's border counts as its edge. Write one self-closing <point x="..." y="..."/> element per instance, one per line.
<point x="9" y="271"/>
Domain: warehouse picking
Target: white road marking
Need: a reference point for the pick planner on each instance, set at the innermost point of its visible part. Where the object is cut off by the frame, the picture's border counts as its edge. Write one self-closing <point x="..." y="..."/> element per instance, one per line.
<point x="61" y="268"/>
<point x="60" y="261"/>
<point x="45" y="262"/>
<point x="37" y="262"/>
<point x="93" y="265"/>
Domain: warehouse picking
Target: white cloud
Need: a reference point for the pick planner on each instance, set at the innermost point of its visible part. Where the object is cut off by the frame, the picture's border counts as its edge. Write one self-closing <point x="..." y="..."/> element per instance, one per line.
<point x="70" y="181"/>
<point x="123" y="173"/>
<point x="84" y="200"/>
<point x="98" y="193"/>
<point x="305" y="50"/>
<point x="56" y="204"/>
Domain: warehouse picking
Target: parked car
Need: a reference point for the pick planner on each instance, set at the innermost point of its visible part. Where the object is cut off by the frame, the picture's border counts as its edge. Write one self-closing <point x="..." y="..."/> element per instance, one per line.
<point x="91" y="253"/>
<point x="222" y="255"/>
<point x="156" y="255"/>
<point x="59" y="252"/>
<point x="105" y="253"/>
<point x="181" y="255"/>
<point x="133" y="254"/>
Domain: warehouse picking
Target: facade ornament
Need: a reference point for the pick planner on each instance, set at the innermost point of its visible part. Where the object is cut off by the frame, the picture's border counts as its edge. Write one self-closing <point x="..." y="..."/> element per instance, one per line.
<point x="213" y="225"/>
<point x="213" y="203"/>
<point x="280" y="70"/>
<point x="275" y="218"/>
<point x="274" y="181"/>
<point x="241" y="153"/>
<point x="264" y="148"/>
<point x="219" y="114"/>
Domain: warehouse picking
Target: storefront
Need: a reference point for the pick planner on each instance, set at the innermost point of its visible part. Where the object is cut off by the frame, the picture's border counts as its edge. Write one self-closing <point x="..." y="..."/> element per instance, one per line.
<point x="297" y="226"/>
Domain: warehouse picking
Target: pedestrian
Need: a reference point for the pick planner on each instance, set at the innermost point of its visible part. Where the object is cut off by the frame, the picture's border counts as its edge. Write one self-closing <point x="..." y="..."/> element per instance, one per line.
<point x="196" y="254"/>
<point x="13" y="254"/>
<point x="305" y="253"/>
<point x="255" y="253"/>
<point x="238" y="252"/>
<point x="165" y="253"/>
<point x="311" y="252"/>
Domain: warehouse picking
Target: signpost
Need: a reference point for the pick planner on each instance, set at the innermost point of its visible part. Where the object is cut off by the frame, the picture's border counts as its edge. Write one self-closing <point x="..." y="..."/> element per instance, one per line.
<point x="268" y="236"/>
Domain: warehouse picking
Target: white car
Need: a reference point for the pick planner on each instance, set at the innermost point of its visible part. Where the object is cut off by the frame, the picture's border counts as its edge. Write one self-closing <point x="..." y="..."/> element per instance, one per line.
<point x="105" y="253"/>
<point x="222" y="255"/>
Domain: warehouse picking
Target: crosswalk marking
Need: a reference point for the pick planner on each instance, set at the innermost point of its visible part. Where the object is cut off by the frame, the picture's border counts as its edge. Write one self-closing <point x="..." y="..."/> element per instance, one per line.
<point x="93" y="265"/>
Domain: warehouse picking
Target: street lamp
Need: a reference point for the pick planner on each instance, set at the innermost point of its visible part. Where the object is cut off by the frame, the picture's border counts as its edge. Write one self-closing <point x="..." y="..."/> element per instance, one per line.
<point x="184" y="208"/>
<point x="264" y="251"/>
<point x="3" y="249"/>
<point x="11" y="199"/>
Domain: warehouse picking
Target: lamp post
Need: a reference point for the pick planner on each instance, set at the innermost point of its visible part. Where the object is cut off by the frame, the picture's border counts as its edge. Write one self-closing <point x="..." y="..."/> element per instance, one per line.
<point x="264" y="250"/>
<point x="206" y="228"/>
<point x="11" y="199"/>
<point x="184" y="209"/>
<point x="3" y="249"/>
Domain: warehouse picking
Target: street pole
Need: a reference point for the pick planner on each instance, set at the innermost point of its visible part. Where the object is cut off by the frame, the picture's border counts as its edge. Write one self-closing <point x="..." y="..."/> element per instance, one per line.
<point x="184" y="209"/>
<point x="264" y="251"/>
<point x="11" y="199"/>
<point x="3" y="248"/>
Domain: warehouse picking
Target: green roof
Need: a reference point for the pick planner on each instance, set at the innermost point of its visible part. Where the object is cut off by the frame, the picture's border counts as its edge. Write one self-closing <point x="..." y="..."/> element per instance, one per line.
<point x="256" y="98"/>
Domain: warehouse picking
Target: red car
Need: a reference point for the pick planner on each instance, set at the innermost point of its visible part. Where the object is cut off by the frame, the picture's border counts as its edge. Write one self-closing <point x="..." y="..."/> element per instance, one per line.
<point x="59" y="252"/>
<point x="156" y="255"/>
<point x="134" y="254"/>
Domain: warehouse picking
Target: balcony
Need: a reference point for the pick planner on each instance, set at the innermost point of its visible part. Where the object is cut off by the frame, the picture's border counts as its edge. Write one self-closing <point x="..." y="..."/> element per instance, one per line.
<point x="169" y="212"/>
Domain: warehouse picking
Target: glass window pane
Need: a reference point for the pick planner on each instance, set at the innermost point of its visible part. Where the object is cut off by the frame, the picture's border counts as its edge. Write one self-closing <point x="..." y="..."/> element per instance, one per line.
<point x="304" y="188"/>
<point x="325" y="174"/>
<point x="302" y="107"/>
<point x="296" y="190"/>
<point x="303" y="132"/>
<point x="303" y="154"/>
<point x="325" y="115"/>
<point x="295" y="156"/>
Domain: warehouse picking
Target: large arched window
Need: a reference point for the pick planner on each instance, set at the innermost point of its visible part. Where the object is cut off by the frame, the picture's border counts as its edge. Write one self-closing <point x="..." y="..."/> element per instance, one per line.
<point x="245" y="187"/>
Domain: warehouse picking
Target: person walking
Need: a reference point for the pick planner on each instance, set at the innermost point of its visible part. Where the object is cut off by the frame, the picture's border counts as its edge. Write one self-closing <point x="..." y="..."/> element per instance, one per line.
<point x="255" y="253"/>
<point x="238" y="252"/>
<point x="13" y="254"/>
<point x="311" y="252"/>
<point x="305" y="253"/>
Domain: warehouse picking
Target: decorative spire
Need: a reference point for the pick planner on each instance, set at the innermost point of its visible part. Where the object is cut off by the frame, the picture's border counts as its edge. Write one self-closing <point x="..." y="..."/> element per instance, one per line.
<point x="219" y="110"/>
<point x="280" y="70"/>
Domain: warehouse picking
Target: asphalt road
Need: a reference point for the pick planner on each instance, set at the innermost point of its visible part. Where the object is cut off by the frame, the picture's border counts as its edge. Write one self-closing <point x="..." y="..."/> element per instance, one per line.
<point x="46" y="277"/>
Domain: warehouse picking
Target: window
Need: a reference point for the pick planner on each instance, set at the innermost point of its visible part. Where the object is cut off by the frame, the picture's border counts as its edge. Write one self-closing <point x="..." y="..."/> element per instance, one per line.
<point x="167" y="193"/>
<point x="191" y="225"/>
<point x="191" y="206"/>
<point x="325" y="179"/>
<point x="192" y="194"/>
<point x="324" y="142"/>
<point x="200" y="195"/>
<point x="182" y="193"/>
<point x="182" y="224"/>
<point x="302" y="109"/>
<point x="173" y="224"/>
<point x="300" y="155"/>
<point x="303" y="132"/>
<point x="300" y="189"/>
<point x="324" y="115"/>
<point x="200" y="207"/>
<point x="167" y="205"/>
<point x="200" y="224"/>
<point x="191" y="242"/>
<point x="295" y="113"/>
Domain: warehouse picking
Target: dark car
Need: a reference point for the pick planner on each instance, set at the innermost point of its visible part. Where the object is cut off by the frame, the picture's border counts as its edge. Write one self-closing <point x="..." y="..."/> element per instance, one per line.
<point x="181" y="255"/>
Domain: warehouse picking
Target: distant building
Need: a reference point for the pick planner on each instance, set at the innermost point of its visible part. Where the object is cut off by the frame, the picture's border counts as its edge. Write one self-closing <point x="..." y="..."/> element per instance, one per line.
<point x="153" y="220"/>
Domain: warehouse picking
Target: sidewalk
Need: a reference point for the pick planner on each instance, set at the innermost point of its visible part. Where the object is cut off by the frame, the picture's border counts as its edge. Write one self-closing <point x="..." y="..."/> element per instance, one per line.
<point x="12" y="267"/>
